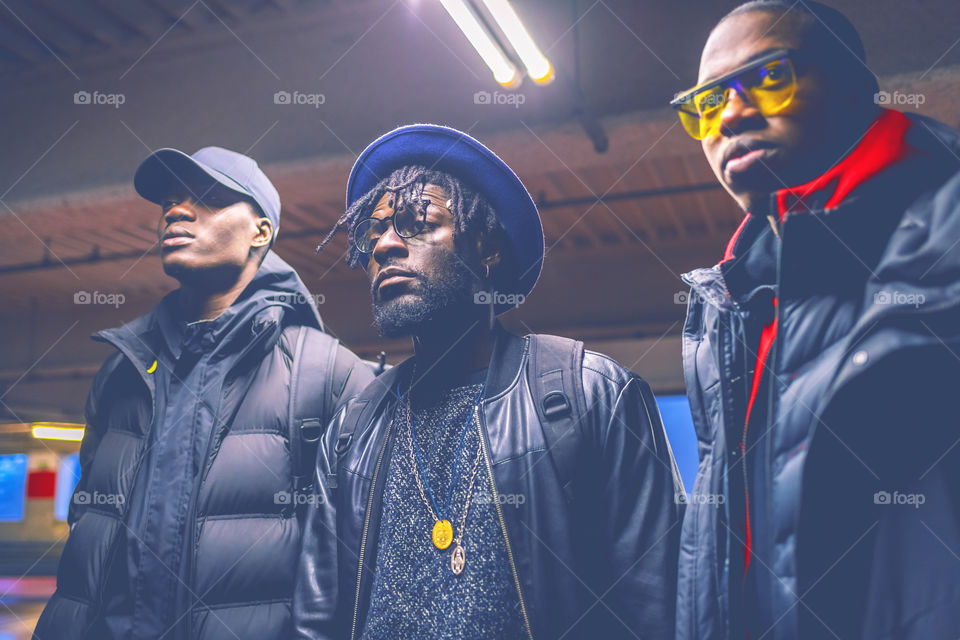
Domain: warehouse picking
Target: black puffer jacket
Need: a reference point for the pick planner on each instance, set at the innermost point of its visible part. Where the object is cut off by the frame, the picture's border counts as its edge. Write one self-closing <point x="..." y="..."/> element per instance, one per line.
<point x="238" y="579"/>
<point x="850" y="314"/>
<point x="601" y="564"/>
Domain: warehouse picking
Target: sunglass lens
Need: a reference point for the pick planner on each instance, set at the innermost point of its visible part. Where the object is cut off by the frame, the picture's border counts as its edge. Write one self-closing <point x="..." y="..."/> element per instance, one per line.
<point x="774" y="87"/>
<point x="691" y="123"/>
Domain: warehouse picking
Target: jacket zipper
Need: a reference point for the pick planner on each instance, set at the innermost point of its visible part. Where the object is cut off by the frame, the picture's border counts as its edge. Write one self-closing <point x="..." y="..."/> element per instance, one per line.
<point x="188" y="577"/>
<point x="503" y="524"/>
<point x="769" y="362"/>
<point x="366" y="524"/>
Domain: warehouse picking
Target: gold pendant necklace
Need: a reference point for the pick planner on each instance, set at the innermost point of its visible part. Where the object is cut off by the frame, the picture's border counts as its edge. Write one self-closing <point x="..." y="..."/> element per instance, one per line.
<point x="442" y="534"/>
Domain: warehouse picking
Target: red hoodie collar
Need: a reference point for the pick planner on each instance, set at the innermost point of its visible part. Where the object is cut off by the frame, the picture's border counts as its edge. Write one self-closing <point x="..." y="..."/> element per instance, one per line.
<point x="883" y="145"/>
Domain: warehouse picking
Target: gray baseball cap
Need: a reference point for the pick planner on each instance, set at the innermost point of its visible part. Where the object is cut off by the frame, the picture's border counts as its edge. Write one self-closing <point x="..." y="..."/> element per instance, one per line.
<point x="167" y="170"/>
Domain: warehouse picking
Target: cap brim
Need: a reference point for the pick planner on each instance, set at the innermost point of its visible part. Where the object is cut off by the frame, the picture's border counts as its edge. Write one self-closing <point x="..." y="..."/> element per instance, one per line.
<point x="168" y="171"/>
<point x="451" y="151"/>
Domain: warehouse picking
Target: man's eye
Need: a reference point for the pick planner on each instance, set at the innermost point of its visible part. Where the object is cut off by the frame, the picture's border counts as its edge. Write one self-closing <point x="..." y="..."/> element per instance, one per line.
<point x="169" y="203"/>
<point x="773" y="74"/>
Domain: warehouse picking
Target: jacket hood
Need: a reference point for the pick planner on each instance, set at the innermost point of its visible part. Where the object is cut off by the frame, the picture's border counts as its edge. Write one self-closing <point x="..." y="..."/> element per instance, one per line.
<point x="922" y="259"/>
<point x="277" y="283"/>
<point x="275" y="297"/>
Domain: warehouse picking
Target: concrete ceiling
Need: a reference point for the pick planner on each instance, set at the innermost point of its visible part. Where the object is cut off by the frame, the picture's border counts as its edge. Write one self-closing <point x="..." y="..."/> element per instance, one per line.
<point x="620" y="225"/>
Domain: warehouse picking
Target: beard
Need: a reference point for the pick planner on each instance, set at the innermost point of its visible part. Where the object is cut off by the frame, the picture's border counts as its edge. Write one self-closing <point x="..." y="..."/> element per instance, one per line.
<point x="447" y="293"/>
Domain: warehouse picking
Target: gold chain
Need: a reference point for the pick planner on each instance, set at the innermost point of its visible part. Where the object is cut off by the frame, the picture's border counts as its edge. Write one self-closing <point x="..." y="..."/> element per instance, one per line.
<point x="413" y="463"/>
<point x="416" y="472"/>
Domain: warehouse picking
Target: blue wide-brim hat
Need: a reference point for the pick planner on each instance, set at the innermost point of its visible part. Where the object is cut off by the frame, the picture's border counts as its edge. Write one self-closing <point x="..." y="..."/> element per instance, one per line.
<point x="451" y="151"/>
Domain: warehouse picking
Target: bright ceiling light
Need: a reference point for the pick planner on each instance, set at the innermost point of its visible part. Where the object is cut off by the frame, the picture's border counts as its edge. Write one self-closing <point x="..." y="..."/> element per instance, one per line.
<point x="538" y="67"/>
<point x="503" y="70"/>
<point x="57" y="431"/>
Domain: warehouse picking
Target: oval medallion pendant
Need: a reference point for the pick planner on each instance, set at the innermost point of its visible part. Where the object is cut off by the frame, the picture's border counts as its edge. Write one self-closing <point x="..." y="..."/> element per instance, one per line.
<point x="442" y="534"/>
<point x="457" y="560"/>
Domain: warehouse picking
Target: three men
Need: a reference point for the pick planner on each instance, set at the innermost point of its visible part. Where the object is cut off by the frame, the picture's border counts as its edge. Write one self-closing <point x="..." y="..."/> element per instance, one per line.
<point x="490" y="485"/>
<point x="200" y="426"/>
<point x="821" y="353"/>
<point x="510" y="487"/>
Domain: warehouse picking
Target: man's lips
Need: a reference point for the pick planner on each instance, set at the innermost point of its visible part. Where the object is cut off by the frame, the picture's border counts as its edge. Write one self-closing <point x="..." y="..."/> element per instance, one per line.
<point x="386" y="282"/>
<point x="175" y="237"/>
<point x="391" y="277"/>
<point x="741" y="163"/>
<point x="176" y="241"/>
<point x="741" y="156"/>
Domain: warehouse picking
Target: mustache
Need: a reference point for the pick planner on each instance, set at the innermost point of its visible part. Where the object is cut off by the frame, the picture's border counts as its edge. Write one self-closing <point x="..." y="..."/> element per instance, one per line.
<point x="381" y="276"/>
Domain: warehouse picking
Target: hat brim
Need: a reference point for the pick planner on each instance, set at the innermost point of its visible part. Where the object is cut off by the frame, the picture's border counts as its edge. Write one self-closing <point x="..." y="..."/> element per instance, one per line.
<point x="167" y="171"/>
<point x="451" y="151"/>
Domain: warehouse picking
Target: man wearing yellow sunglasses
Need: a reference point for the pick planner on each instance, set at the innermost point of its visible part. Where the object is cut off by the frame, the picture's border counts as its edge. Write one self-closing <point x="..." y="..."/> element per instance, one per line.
<point x="822" y="353"/>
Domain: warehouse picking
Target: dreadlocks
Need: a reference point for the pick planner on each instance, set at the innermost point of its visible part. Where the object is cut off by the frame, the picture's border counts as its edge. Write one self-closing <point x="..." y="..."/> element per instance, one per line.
<point x="472" y="214"/>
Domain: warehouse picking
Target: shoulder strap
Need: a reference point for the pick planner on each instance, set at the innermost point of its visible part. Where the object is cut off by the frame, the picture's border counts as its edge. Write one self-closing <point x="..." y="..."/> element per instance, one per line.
<point x="554" y="372"/>
<point x="369" y="401"/>
<point x="313" y="360"/>
<point x="362" y="411"/>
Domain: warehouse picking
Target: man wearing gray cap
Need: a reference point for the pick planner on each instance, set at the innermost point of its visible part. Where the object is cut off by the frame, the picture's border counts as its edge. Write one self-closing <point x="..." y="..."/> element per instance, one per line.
<point x="202" y="426"/>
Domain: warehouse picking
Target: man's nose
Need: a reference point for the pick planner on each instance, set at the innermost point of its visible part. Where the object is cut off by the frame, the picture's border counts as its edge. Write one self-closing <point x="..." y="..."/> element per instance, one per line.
<point x="737" y="110"/>
<point x="389" y="243"/>
<point x="182" y="210"/>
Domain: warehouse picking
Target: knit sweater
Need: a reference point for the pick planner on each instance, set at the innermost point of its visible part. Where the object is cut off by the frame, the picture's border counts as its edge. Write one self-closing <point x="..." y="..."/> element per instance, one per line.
<point x="415" y="592"/>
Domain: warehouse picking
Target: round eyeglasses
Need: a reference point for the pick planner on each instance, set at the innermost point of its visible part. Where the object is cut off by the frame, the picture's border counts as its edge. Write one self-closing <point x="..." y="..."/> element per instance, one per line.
<point x="407" y="222"/>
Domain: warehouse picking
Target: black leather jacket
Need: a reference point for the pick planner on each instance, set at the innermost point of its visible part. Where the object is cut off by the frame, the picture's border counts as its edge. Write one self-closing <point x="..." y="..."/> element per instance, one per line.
<point x="602" y="563"/>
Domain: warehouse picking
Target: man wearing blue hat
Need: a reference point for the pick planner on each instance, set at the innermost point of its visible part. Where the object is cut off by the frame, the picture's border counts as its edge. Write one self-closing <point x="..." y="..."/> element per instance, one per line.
<point x="491" y="485"/>
<point x="202" y="427"/>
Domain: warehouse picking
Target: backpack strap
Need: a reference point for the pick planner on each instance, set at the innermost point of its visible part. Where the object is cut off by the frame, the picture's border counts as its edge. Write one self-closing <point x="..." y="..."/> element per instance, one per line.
<point x="554" y="372"/>
<point x="362" y="411"/>
<point x="311" y="393"/>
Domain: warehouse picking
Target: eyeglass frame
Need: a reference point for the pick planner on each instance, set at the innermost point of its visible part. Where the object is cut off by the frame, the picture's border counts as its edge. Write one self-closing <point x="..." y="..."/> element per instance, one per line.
<point x="391" y="220"/>
<point x="684" y="97"/>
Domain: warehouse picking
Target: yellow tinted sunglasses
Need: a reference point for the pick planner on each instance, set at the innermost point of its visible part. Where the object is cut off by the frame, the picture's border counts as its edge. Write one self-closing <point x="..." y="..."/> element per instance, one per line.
<point x="769" y="83"/>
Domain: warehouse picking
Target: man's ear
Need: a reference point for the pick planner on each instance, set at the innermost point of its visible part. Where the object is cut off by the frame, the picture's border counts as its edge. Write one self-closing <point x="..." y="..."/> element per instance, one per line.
<point x="488" y="248"/>
<point x="264" y="233"/>
<point x="489" y="251"/>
